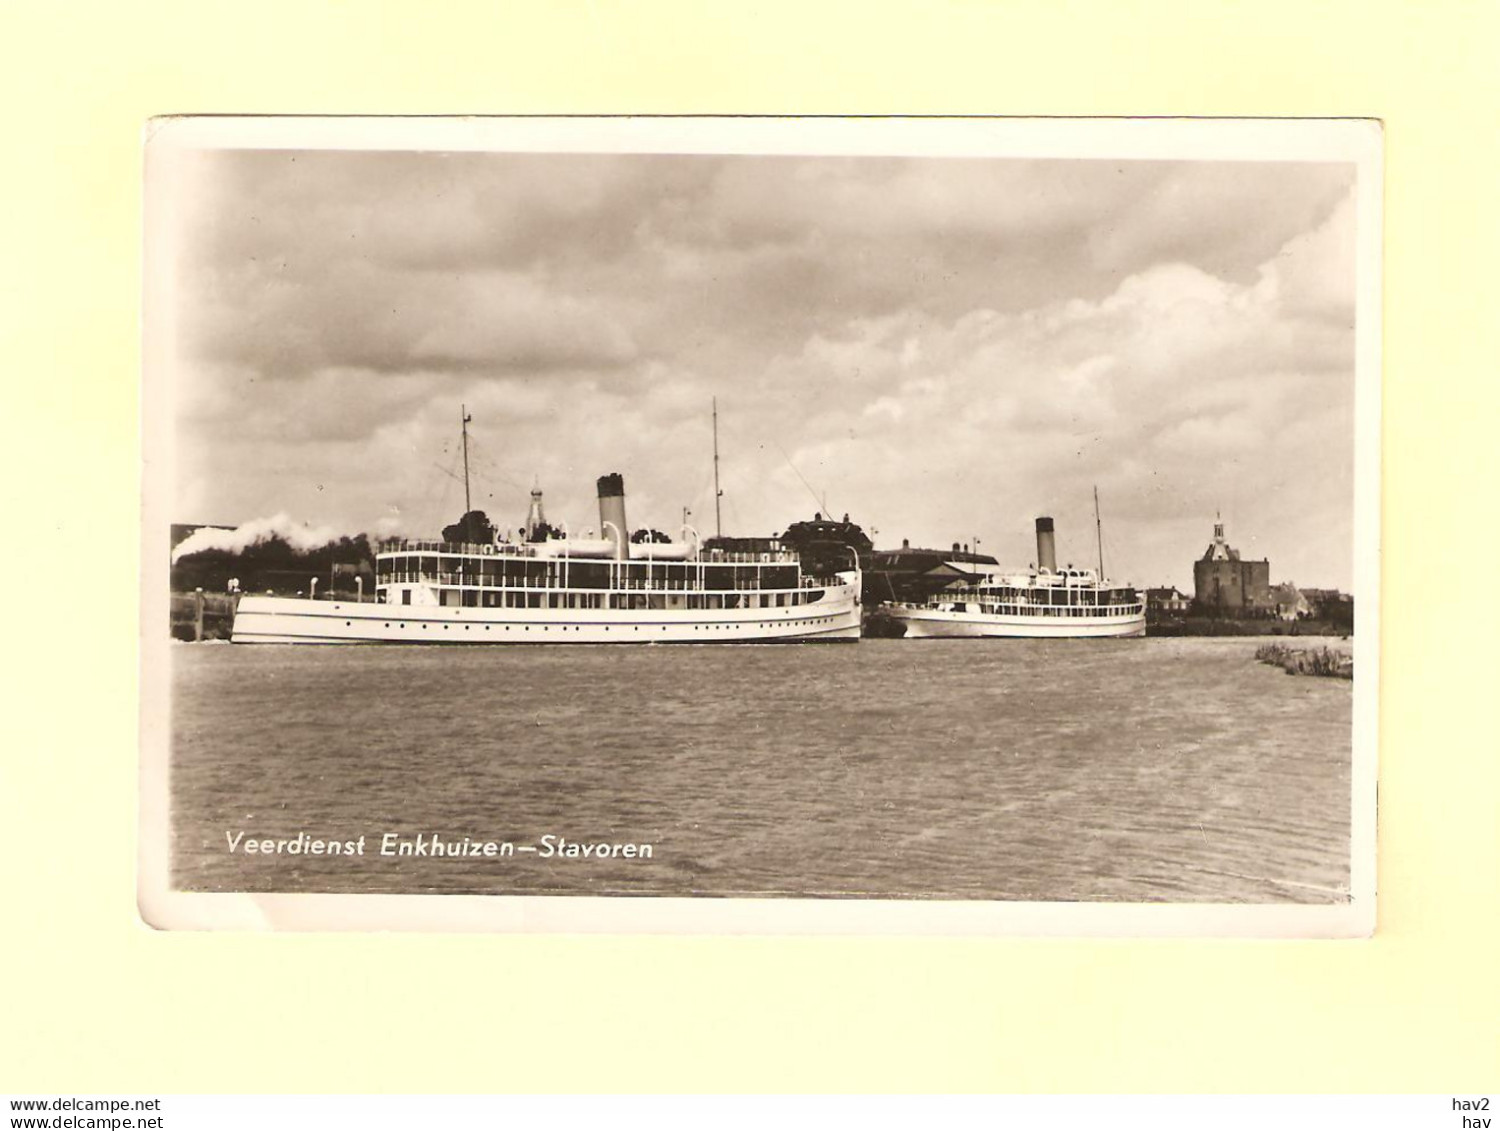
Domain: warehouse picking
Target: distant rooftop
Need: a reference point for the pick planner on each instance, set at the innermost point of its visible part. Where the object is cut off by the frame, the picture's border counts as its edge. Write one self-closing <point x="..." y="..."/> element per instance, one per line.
<point x="911" y="557"/>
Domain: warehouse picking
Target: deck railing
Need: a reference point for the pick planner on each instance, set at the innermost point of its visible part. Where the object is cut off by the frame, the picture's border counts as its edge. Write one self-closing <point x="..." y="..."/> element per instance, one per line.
<point x="559" y="582"/>
<point x="473" y="549"/>
<point x="1013" y="610"/>
<point x="639" y="552"/>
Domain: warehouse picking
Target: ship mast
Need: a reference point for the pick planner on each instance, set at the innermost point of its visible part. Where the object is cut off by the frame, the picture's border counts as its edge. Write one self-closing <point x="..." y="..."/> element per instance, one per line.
<point x="718" y="494"/>
<point x="463" y="413"/>
<point x="1099" y="531"/>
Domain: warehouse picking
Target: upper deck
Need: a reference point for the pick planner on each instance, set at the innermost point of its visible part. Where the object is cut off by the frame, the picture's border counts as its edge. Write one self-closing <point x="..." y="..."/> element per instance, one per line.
<point x="539" y="566"/>
<point x="1065" y="588"/>
<point x="639" y="552"/>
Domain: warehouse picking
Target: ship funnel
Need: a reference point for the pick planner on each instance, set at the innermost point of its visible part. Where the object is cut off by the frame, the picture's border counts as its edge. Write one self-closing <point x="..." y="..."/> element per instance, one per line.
<point x="1046" y="549"/>
<point x="612" y="513"/>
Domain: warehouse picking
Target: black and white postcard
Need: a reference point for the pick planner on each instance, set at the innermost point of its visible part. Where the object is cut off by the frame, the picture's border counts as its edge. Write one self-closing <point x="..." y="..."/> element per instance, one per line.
<point x="761" y="525"/>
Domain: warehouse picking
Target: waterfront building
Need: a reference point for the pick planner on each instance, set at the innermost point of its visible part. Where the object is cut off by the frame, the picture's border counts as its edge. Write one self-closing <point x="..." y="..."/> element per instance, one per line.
<point x="1167" y="599"/>
<point x="914" y="574"/>
<point x="1224" y="581"/>
<point x="1328" y="602"/>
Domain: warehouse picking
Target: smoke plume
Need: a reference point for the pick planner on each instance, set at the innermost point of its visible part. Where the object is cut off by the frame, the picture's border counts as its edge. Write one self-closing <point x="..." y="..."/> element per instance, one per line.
<point x="303" y="537"/>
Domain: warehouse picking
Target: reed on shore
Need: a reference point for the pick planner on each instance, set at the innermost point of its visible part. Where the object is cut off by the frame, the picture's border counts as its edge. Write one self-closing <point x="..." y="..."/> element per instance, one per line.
<point x="1307" y="661"/>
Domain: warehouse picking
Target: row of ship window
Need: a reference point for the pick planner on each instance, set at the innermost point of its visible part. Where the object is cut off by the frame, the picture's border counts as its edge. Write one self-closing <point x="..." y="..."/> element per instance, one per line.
<point x="634" y="627"/>
<point x="579" y="578"/>
<point x="425" y="550"/>
<point x="1064" y="597"/>
<point x="1046" y="610"/>
<point x="541" y="599"/>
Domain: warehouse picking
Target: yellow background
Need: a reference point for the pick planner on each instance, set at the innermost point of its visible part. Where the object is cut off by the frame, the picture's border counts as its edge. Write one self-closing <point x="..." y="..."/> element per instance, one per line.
<point x="93" y="1001"/>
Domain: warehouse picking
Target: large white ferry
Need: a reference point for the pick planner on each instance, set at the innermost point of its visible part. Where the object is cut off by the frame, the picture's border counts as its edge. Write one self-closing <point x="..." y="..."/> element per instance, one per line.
<point x="572" y="591"/>
<point x="1042" y="601"/>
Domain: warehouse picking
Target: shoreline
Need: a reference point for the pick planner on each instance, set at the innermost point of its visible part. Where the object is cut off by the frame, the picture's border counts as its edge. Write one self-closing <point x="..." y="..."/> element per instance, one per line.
<point x="1215" y="626"/>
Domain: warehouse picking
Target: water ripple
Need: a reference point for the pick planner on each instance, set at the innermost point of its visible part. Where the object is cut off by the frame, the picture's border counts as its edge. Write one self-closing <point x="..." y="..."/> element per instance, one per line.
<point x="1057" y="770"/>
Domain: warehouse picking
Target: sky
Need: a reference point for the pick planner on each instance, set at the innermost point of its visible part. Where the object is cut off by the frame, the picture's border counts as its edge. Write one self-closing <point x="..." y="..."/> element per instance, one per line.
<point x="942" y="348"/>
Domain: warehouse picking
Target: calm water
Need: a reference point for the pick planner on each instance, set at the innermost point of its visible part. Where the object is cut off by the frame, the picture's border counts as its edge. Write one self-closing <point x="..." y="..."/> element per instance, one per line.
<point x="1056" y="770"/>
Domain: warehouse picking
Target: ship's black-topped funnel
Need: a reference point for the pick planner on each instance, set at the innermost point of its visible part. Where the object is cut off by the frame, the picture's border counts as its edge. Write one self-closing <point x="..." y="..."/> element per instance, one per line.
<point x="1046" y="548"/>
<point x="612" y="513"/>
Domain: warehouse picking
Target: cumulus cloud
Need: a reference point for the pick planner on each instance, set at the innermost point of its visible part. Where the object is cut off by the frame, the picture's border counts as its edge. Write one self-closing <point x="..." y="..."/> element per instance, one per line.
<point x="1312" y="273"/>
<point x="943" y="348"/>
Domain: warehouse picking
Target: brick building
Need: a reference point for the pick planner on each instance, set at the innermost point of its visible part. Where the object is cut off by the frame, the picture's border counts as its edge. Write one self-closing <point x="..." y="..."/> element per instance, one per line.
<point x="1223" y="581"/>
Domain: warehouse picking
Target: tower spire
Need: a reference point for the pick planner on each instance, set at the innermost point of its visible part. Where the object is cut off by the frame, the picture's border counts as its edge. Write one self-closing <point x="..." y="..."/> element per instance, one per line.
<point x="536" y="518"/>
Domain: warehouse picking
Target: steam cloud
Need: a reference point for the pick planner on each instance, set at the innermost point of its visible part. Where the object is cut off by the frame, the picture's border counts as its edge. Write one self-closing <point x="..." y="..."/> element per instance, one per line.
<point x="303" y="537"/>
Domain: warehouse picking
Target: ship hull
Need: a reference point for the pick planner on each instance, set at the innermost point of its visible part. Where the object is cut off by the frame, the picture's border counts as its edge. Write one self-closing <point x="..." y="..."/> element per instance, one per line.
<point x="924" y="624"/>
<point x="293" y="620"/>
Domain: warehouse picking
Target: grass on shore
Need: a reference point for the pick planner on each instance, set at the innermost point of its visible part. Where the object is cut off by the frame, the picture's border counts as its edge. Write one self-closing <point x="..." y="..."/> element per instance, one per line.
<point x="1307" y="661"/>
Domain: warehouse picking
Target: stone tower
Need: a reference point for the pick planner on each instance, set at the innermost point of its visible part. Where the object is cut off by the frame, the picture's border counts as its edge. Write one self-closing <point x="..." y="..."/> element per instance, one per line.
<point x="1224" y="581"/>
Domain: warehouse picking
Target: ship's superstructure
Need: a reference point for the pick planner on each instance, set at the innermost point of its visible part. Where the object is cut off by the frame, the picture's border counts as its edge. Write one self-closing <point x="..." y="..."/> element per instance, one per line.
<point x="589" y="590"/>
<point x="1042" y="601"/>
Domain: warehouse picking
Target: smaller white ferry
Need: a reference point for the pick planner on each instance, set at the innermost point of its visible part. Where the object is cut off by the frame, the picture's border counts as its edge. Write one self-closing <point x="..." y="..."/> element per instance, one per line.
<point x="1042" y="601"/>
